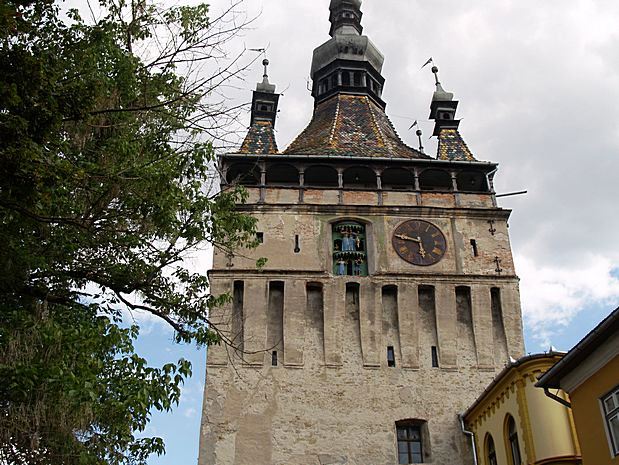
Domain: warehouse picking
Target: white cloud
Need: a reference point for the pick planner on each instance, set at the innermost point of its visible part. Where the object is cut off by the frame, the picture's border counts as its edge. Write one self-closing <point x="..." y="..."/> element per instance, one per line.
<point x="552" y="296"/>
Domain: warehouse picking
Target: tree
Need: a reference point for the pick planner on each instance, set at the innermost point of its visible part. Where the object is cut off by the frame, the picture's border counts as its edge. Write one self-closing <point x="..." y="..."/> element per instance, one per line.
<point x="106" y="186"/>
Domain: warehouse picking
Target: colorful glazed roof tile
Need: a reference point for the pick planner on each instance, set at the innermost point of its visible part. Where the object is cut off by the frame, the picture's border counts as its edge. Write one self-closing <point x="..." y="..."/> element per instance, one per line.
<point x="351" y="125"/>
<point x="260" y="139"/>
<point x="452" y="147"/>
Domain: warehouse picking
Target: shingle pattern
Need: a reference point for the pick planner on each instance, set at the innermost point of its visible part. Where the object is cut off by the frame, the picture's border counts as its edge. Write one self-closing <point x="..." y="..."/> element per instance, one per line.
<point x="351" y="125"/>
<point x="451" y="146"/>
<point x="260" y="139"/>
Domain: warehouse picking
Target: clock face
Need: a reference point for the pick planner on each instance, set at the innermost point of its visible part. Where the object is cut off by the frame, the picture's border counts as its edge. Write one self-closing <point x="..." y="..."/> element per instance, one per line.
<point x="419" y="242"/>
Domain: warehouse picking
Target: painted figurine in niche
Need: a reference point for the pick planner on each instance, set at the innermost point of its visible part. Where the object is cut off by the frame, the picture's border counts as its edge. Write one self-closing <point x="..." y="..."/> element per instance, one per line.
<point x="357" y="267"/>
<point x="348" y="243"/>
<point x="341" y="267"/>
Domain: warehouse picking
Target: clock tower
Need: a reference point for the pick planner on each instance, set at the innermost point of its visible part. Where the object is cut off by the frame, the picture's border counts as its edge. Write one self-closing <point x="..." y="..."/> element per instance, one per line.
<point x="389" y="300"/>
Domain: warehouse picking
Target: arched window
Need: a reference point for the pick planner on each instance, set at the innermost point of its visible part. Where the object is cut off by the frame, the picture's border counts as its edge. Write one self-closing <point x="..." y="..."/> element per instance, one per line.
<point x="435" y="180"/>
<point x="321" y="176"/>
<point x="264" y="106"/>
<point x="346" y="76"/>
<point x="349" y="249"/>
<point x="359" y="177"/>
<point x="512" y="441"/>
<point x="282" y="175"/>
<point x="472" y="181"/>
<point x="398" y="179"/>
<point x="247" y="174"/>
<point x="357" y="78"/>
<point x="490" y="450"/>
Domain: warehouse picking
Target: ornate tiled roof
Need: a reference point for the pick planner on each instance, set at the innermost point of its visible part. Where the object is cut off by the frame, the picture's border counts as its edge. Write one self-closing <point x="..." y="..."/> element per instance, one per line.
<point x="260" y="139"/>
<point x="351" y="125"/>
<point x="452" y="147"/>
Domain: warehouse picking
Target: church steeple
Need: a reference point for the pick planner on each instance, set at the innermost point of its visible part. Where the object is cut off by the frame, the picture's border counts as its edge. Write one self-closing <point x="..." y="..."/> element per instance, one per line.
<point x="349" y="62"/>
<point x="260" y="138"/>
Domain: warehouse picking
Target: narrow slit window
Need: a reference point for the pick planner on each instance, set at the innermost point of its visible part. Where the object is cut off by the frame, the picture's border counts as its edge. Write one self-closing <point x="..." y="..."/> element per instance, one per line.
<point x="434" y="357"/>
<point x="260" y="237"/>
<point x="474" y="248"/>
<point x="297" y="244"/>
<point x="390" y="357"/>
<point x="274" y="358"/>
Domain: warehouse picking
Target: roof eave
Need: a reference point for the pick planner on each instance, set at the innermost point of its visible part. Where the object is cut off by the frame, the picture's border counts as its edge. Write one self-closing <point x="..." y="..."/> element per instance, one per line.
<point x="433" y="161"/>
<point x="596" y="337"/>
<point x="508" y="368"/>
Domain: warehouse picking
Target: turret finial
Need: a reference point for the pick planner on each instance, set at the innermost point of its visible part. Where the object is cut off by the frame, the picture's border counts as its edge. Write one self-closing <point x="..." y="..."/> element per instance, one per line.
<point x="435" y="71"/>
<point x="265" y="85"/>
<point x="440" y="94"/>
<point x="419" y="134"/>
<point x="265" y="63"/>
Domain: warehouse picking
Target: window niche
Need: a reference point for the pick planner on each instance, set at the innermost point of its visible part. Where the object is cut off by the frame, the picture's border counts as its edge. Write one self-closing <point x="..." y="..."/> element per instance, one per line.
<point x="472" y="181"/>
<point x="413" y="441"/>
<point x="435" y="180"/>
<point x="512" y="441"/>
<point x="610" y="404"/>
<point x="349" y="249"/>
<point x="490" y="450"/>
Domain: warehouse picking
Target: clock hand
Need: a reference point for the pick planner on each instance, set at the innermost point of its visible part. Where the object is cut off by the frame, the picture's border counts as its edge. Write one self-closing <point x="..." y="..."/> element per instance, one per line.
<point x="408" y="238"/>
<point x="422" y="251"/>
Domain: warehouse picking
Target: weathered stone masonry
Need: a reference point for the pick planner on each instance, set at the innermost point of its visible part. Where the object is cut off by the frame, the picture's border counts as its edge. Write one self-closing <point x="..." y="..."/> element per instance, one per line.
<point x="335" y="349"/>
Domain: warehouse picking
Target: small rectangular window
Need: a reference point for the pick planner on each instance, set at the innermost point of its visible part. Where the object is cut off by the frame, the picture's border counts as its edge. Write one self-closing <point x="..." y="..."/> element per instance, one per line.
<point x="274" y="358"/>
<point x="390" y="357"/>
<point x="260" y="237"/>
<point x="410" y="447"/>
<point x="434" y="357"/>
<point x="474" y="248"/>
<point x="610" y="405"/>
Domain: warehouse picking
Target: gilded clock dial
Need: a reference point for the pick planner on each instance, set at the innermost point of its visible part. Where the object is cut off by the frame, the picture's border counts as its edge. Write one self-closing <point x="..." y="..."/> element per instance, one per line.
<point x="419" y="242"/>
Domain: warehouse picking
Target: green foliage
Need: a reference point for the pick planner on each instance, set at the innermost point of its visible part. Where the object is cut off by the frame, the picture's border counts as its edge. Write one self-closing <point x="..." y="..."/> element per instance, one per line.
<point x="72" y="382"/>
<point x="106" y="187"/>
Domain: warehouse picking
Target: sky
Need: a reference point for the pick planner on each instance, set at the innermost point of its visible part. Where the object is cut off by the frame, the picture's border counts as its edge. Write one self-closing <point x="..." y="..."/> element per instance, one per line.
<point x="538" y="85"/>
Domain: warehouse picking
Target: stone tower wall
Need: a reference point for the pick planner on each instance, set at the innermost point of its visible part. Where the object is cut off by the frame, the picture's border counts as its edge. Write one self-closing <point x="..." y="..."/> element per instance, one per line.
<point x="332" y="398"/>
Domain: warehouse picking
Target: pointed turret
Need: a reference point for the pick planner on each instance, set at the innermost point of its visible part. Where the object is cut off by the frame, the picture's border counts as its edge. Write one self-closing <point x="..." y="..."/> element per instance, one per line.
<point x="451" y="146"/>
<point x="260" y="138"/>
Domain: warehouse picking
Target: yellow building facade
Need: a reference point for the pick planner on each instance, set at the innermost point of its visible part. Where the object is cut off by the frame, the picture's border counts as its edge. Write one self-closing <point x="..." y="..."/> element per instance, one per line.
<point x="590" y="374"/>
<point x="515" y="423"/>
